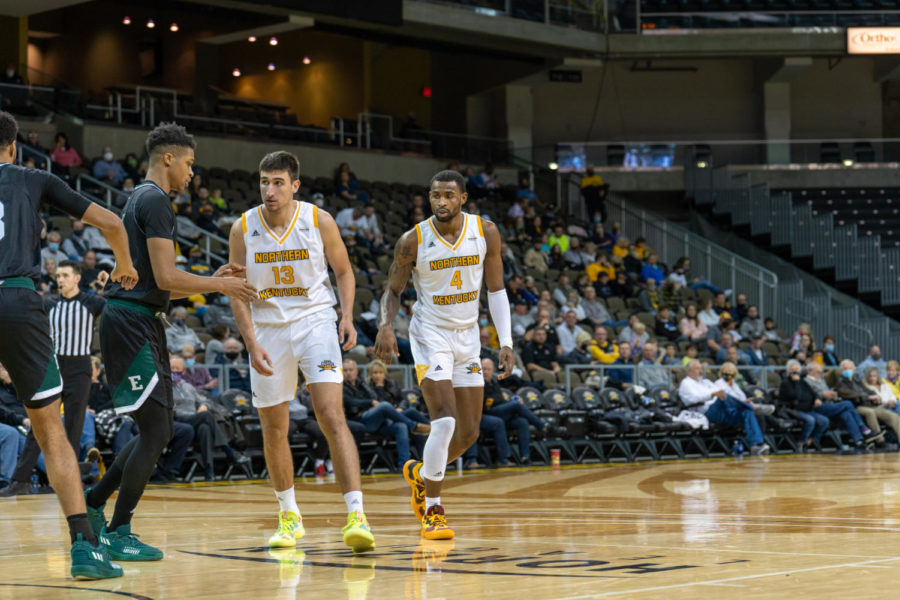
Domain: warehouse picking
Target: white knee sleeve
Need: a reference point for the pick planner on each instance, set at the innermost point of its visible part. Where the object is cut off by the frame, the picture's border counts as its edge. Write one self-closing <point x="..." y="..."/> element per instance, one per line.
<point x="437" y="446"/>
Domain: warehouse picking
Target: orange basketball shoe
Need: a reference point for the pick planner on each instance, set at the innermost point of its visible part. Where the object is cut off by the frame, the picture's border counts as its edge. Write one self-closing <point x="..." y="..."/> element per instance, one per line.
<point x="417" y="484"/>
<point x="434" y="525"/>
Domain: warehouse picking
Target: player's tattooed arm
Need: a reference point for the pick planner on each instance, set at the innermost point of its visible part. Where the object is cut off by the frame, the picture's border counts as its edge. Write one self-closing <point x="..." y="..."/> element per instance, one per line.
<point x="401" y="268"/>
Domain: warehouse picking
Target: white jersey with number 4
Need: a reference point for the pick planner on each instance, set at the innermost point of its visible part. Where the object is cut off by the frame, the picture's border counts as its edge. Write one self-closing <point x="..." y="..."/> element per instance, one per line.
<point x="448" y="276"/>
<point x="290" y="271"/>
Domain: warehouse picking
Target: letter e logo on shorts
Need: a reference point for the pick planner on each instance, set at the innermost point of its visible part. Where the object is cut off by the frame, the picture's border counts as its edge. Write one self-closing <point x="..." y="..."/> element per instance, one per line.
<point x="135" y="381"/>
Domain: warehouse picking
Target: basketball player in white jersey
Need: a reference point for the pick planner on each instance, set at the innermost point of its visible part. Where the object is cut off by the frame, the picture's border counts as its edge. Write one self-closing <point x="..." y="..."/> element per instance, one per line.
<point x="447" y="256"/>
<point x="287" y="247"/>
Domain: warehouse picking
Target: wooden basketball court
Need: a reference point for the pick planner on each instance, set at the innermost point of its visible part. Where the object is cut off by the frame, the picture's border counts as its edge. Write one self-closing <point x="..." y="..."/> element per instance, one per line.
<point x="798" y="526"/>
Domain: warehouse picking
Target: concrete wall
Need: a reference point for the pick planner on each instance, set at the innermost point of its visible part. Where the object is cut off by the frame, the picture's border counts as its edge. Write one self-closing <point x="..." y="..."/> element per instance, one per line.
<point x="246" y="153"/>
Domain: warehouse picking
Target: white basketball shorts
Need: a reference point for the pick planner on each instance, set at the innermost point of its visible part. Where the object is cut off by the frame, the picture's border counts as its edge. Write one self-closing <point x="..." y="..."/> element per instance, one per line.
<point x="311" y="343"/>
<point x="446" y="354"/>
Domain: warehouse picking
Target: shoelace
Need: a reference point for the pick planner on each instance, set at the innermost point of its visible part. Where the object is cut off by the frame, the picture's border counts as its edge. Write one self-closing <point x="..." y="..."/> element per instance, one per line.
<point x="438" y="520"/>
<point x="285" y="527"/>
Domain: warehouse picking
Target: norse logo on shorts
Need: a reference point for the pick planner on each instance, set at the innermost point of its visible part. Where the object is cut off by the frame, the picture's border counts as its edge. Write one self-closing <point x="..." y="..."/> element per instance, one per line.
<point x="473" y="367"/>
<point x="327" y="365"/>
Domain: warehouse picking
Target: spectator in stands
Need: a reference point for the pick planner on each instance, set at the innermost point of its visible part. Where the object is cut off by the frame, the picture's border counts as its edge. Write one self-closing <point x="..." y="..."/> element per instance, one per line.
<point x="621" y="248"/>
<point x="829" y="356"/>
<point x="868" y="403"/>
<point x="303" y="420"/>
<point x="348" y="189"/>
<point x="535" y="258"/>
<point x="559" y="238"/>
<point x="649" y="371"/>
<point x="691" y="326"/>
<point x="207" y="221"/>
<point x="754" y="354"/>
<point x="514" y="414"/>
<point x="12" y="415"/>
<point x="217" y="200"/>
<point x="771" y="332"/>
<point x="878" y="385"/>
<point x="521" y="318"/>
<point x="541" y="359"/>
<point x="620" y="374"/>
<point x="741" y="307"/>
<point x="652" y="270"/>
<point x="235" y="367"/>
<point x="603" y="239"/>
<point x="701" y="394"/>
<point x="664" y="327"/>
<point x="34" y="143"/>
<point x="594" y="193"/>
<point x="805" y="345"/>
<point x="517" y="210"/>
<point x="109" y="170"/>
<point x="892" y="380"/>
<point x="649" y="298"/>
<point x="575" y="257"/>
<point x="131" y="164"/>
<point x="751" y="323"/>
<point x="803" y="328"/>
<point x="371" y="230"/>
<point x="602" y="350"/>
<point x="668" y="296"/>
<point x="544" y="321"/>
<point x="179" y="335"/>
<point x="720" y="305"/>
<point x="197" y="263"/>
<point x="357" y="256"/>
<point x="623" y="287"/>
<point x="218" y="312"/>
<point x="361" y="404"/>
<point x="568" y="331"/>
<point x="555" y="258"/>
<point x="635" y="335"/>
<point x="729" y="381"/>
<point x="691" y="351"/>
<point x="48" y="283"/>
<point x="516" y="291"/>
<point x="90" y="273"/>
<point x="875" y="360"/>
<point x="53" y="251"/>
<point x="64" y="157"/>
<point x="193" y="409"/>
<point x="75" y="245"/>
<point x="510" y="267"/>
<point x="726" y="342"/>
<point x="681" y="272"/>
<point x="801" y="400"/>
<point x="199" y="377"/>
<point x="832" y="406"/>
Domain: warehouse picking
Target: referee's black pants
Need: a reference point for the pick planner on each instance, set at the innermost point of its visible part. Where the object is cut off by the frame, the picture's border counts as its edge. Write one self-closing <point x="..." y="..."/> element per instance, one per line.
<point x="76" y="379"/>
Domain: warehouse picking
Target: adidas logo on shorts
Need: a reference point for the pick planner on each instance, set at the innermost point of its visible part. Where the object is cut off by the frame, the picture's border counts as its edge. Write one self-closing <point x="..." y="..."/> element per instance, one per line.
<point x="438" y="368"/>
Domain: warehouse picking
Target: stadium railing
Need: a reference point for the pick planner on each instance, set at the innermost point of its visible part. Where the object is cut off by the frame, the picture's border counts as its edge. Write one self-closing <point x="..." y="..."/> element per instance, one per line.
<point x="113" y="198"/>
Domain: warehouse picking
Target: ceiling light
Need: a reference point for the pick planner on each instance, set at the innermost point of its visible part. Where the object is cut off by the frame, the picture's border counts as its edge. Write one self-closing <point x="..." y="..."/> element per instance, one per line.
<point x="173" y="27"/>
<point x="271" y="66"/>
<point x="848" y="162"/>
<point x="306" y="60"/>
<point x="553" y="166"/>
<point x="236" y="72"/>
<point x="151" y="24"/>
<point x="273" y="41"/>
<point x="702" y="164"/>
<point x="126" y="21"/>
<point x="251" y="39"/>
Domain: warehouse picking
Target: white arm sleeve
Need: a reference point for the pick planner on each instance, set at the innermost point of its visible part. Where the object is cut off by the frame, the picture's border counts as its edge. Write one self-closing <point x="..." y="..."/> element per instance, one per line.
<point x="499" y="306"/>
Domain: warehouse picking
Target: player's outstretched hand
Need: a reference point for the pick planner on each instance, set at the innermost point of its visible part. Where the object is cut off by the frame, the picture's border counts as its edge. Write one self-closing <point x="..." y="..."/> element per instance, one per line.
<point x="239" y="289"/>
<point x="127" y="276"/>
<point x="386" y="345"/>
<point x="346" y="329"/>
<point x="506" y="362"/>
<point x="259" y="360"/>
<point x="231" y="270"/>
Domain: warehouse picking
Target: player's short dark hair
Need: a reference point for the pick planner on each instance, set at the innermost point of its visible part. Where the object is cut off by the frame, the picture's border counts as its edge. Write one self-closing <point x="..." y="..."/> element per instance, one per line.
<point x="169" y="135"/>
<point x="281" y="160"/>
<point x="9" y="129"/>
<point x="448" y="176"/>
<point x="76" y="267"/>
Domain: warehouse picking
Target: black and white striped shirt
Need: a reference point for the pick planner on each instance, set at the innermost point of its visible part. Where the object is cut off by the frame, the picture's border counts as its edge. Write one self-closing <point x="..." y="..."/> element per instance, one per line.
<point x="72" y="322"/>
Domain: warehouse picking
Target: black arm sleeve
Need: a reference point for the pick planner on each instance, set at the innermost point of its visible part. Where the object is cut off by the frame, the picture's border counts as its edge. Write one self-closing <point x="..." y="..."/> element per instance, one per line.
<point x="55" y="192"/>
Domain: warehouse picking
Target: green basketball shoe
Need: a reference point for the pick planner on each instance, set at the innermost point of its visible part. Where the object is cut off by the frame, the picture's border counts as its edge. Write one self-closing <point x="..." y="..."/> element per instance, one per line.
<point x="95" y="515"/>
<point x="124" y="545"/>
<point x="92" y="562"/>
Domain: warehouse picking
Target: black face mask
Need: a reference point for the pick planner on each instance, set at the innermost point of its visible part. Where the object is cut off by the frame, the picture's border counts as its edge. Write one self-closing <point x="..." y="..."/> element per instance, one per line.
<point x="232" y="355"/>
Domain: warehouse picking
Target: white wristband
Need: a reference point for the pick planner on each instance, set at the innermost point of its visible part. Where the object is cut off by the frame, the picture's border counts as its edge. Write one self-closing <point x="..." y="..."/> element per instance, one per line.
<point x="498" y="304"/>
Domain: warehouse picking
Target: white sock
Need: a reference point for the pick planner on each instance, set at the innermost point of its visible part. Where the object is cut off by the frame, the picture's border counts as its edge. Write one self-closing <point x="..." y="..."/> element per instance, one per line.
<point x="354" y="501"/>
<point x="329" y="467"/>
<point x="286" y="500"/>
<point x="319" y="462"/>
<point x="429" y="502"/>
<point x="437" y="446"/>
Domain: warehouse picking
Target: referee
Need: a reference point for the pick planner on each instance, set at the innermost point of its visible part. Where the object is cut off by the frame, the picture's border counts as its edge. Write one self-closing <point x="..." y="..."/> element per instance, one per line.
<point x="72" y="317"/>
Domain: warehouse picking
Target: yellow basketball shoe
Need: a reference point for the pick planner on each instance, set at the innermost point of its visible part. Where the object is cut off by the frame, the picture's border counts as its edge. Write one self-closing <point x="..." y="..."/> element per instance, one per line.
<point x="290" y="529"/>
<point x="434" y="525"/>
<point x="417" y="484"/>
<point x="357" y="534"/>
